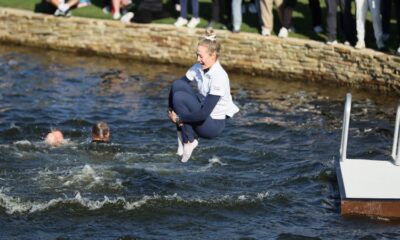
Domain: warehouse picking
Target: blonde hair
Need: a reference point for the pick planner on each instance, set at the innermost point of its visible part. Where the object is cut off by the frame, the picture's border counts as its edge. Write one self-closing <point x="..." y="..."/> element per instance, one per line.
<point x="209" y="40"/>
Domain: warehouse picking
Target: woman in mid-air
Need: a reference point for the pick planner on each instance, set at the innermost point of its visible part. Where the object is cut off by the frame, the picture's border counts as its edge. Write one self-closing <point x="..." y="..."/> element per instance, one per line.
<point x="202" y="112"/>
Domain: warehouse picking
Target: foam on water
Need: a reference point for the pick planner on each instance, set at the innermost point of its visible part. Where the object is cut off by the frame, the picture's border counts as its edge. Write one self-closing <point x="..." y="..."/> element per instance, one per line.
<point x="14" y="205"/>
<point x="81" y="177"/>
<point x="87" y="174"/>
<point x="212" y="162"/>
<point x="23" y="142"/>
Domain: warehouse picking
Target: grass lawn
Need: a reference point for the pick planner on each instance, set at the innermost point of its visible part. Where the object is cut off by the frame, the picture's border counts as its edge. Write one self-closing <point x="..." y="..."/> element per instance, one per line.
<point x="301" y="19"/>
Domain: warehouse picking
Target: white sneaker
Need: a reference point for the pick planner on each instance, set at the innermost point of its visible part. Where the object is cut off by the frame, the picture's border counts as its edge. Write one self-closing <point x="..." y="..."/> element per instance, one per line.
<point x="116" y="15"/>
<point x="265" y="31"/>
<point x="360" y="44"/>
<point x="318" y="29"/>
<point x="283" y="33"/>
<point x="127" y="17"/>
<point x="181" y="22"/>
<point x="347" y="43"/>
<point x="334" y="42"/>
<point x="398" y="51"/>
<point x="61" y="13"/>
<point x="188" y="149"/>
<point x="58" y="12"/>
<point x="106" y="9"/>
<point x="193" y="22"/>
<point x="179" y="152"/>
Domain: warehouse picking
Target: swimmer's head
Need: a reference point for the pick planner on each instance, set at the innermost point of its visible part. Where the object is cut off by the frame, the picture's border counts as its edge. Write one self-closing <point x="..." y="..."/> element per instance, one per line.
<point x="100" y="132"/>
<point x="55" y="138"/>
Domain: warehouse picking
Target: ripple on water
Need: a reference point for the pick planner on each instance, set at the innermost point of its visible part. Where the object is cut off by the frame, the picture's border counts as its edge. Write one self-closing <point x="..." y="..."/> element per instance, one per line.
<point x="270" y="175"/>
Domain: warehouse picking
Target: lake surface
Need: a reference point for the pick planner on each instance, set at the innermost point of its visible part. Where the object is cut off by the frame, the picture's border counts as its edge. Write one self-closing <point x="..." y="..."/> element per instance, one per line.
<point x="270" y="175"/>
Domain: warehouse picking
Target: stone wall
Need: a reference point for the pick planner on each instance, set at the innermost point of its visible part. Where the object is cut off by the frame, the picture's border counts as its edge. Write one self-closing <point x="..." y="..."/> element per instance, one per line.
<point x="292" y="59"/>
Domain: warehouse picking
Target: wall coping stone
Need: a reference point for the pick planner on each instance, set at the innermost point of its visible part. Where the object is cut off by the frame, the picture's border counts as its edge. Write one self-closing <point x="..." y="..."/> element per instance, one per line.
<point x="289" y="59"/>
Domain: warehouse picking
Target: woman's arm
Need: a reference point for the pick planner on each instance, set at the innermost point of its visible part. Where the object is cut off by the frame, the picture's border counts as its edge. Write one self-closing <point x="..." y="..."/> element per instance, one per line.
<point x="209" y="103"/>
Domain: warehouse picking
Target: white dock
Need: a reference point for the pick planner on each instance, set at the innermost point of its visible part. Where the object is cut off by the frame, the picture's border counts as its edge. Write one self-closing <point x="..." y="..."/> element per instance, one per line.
<point x="369" y="187"/>
<point x="370" y="179"/>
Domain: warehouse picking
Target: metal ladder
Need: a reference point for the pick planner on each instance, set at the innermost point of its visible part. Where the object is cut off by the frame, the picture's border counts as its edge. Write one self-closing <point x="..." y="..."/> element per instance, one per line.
<point x="345" y="133"/>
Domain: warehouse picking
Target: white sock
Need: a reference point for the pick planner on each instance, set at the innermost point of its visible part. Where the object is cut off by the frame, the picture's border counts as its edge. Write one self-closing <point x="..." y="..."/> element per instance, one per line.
<point x="63" y="7"/>
<point x="179" y="152"/>
<point x="188" y="149"/>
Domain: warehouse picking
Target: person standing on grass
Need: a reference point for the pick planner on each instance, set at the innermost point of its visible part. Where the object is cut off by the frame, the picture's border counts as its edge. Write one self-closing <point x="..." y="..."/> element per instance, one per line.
<point x="362" y="7"/>
<point x="182" y="20"/>
<point x="285" y="12"/>
<point x="345" y="18"/>
<point x="202" y="112"/>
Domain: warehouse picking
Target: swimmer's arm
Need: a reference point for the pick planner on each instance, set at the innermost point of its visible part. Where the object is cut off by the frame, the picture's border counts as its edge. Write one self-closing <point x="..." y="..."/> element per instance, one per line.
<point x="209" y="103"/>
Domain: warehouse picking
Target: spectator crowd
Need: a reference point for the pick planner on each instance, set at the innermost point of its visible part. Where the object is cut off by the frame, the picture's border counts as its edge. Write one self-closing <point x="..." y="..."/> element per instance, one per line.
<point x="343" y="24"/>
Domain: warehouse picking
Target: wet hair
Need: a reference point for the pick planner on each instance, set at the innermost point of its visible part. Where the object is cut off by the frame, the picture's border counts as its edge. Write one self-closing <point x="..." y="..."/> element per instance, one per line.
<point x="209" y="40"/>
<point x="101" y="132"/>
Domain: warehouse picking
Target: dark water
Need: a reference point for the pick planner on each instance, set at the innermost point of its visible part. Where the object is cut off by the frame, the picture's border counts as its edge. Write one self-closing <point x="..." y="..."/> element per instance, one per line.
<point x="270" y="175"/>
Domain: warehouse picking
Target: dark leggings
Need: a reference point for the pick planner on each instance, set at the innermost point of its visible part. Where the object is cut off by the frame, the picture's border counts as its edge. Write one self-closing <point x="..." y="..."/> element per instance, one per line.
<point x="183" y="100"/>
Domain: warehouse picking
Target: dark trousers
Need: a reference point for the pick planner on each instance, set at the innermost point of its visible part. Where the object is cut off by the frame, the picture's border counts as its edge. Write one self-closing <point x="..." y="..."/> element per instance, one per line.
<point x="147" y="16"/>
<point x="183" y="101"/>
<point x="386" y="11"/>
<point x="220" y="8"/>
<point x="287" y="12"/>
<point x="346" y="20"/>
<point x="315" y="8"/>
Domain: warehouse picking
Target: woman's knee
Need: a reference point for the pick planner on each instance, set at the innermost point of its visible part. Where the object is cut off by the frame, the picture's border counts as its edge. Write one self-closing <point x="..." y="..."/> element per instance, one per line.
<point x="180" y="85"/>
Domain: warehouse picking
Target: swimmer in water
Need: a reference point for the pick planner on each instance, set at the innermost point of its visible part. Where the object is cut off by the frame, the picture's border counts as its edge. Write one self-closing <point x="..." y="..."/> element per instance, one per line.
<point x="55" y="138"/>
<point x="100" y="132"/>
<point x="202" y="112"/>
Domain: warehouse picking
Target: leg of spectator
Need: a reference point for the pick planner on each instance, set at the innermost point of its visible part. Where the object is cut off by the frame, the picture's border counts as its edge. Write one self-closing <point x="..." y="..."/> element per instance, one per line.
<point x="236" y="15"/>
<point x="285" y="17"/>
<point x="215" y="10"/>
<point x="386" y="9"/>
<point x="195" y="8"/>
<point x="72" y="3"/>
<point x="331" y="21"/>
<point x="279" y="7"/>
<point x="116" y="6"/>
<point x="288" y="13"/>
<point x="195" y="14"/>
<point x="375" y="8"/>
<point x="183" y="8"/>
<point x="228" y="11"/>
<point x="56" y="3"/>
<point x="397" y="3"/>
<point x="315" y="8"/>
<point x="361" y="12"/>
<point x="348" y="21"/>
<point x="266" y="7"/>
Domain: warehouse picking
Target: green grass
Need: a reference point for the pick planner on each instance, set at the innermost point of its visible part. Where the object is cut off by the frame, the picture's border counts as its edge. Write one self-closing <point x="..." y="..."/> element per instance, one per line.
<point x="301" y="18"/>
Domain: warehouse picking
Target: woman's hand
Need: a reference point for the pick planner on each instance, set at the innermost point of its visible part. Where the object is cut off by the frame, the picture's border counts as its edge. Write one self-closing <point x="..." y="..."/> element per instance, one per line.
<point x="173" y="117"/>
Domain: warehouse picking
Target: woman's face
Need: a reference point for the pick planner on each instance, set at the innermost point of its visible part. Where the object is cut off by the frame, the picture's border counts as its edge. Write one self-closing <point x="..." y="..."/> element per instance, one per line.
<point x="204" y="58"/>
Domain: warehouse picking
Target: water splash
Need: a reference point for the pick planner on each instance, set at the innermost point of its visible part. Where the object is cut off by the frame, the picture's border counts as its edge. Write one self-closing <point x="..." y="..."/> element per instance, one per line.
<point x="14" y="205"/>
<point x="211" y="162"/>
